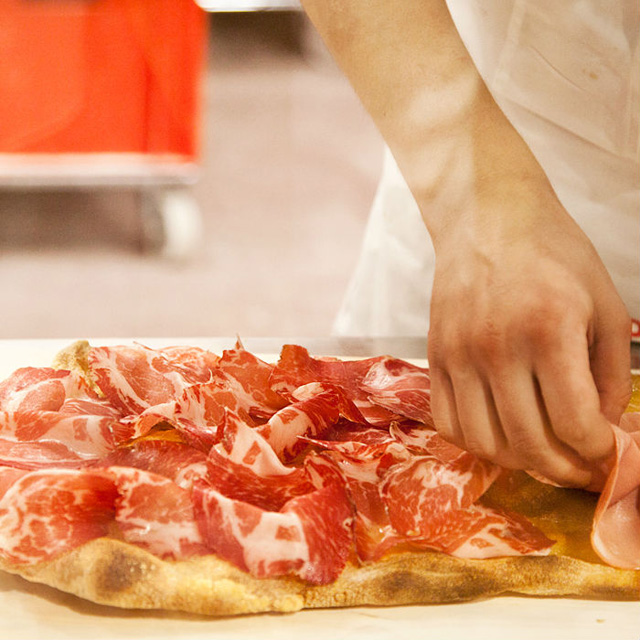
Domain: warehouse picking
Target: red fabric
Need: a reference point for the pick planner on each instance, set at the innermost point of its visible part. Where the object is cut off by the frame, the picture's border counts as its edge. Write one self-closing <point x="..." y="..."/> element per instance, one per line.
<point x="102" y="76"/>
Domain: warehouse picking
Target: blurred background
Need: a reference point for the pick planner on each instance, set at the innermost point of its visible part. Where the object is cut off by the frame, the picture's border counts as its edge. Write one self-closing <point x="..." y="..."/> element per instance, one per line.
<point x="167" y="170"/>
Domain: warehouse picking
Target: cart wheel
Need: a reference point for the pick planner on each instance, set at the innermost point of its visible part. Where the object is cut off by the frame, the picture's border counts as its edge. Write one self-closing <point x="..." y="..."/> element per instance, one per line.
<point x="171" y="224"/>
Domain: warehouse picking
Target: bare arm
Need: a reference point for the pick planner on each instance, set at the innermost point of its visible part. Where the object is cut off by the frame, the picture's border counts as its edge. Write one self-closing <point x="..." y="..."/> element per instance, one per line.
<point x="529" y="341"/>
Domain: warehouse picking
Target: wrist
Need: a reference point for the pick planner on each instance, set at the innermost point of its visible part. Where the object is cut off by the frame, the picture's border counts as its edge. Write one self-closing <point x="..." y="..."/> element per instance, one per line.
<point x="495" y="213"/>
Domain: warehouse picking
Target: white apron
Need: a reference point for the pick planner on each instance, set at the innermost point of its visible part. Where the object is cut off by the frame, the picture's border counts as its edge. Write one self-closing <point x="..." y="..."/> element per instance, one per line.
<point x="566" y="74"/>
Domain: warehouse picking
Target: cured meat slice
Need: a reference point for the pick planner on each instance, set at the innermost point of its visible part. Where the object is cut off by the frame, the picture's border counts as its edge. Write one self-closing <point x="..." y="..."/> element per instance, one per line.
<point x="37" y="439"/>
<point x="484" y="532"/>
<point x="373" y="532"/>
<point x="400" y="387"/>
<point x="421" y="439"/>
<point x="318" y="409"/>
<point x="310" y="536"/>
<point x="326" y="517"/>
<point x="153" y="512"/>
<point x="343" y="404"/>
<point x="244" y="467"/>
<point x="8" y="475"/>
<point x="136" y="378"/>
<point x="296" y="368"/>
<point x="362" y="459"/>
<point x="421" y="490"/>
<point x="41" y="455"/>
<point x="200" y="409"/>
<point x="135" y="426"/>
<point x="616" y="526"/>
<point x="248" y="378"/>
<point x="195" y="365"/>
<point x="174" y="460"/>
<point x="90" y="407"/>
<point x="45" y="513"/>
<point x="86" y="434"/>
<point x="41" y="388"/>
<point x="366" y="446"/>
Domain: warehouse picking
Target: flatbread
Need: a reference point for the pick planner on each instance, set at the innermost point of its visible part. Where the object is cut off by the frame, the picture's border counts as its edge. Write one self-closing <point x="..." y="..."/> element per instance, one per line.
<point x="112" y="572"/>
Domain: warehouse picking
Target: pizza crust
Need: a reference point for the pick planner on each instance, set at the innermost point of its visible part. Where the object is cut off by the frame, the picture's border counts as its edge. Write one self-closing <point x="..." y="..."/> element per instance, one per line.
<point x="111" y="572"/>
<point x="75" y="358"/>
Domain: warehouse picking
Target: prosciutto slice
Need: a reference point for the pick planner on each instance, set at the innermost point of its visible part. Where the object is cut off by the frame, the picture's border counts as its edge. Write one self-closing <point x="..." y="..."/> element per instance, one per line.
<point x="136" y="378"/>
<point x="421" y="439"/>
<point x="36" y="439"/>
<point x="296" y="368"/>
<point x="419" y="492"/>
<point x="86" y="434"/>
<point x="481" y="532"/>
<point x="616" y="527"/>
<point x="244" y="467"/>
<point x="8" y="475"/>
<point x="309" y="537"/>
<point x="156" y="514"/>
<point x="174" y="460"/>
<point x="318" y="408"/>
<point x="248" y="378"/>
<point x="46" y="512"/>
<point x="400" y="387"/>
<point x="41" y="389"/>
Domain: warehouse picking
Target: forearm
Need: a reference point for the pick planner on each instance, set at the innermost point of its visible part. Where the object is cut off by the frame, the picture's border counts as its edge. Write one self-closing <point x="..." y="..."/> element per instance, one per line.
<point x="413" y="74"/>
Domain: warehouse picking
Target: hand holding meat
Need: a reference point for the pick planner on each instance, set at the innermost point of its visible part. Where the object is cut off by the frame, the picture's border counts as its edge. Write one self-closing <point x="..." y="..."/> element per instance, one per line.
<point x="529" y="340"/>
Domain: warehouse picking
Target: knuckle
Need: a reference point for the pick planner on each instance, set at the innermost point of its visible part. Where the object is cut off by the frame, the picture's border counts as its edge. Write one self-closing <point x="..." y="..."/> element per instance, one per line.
<point x="574" y="434"/>
<point x="527" y="445"/>
<point x="541" y="328"/>
<point x="448" y="352"/>
<point x="537" y="455"/>
<point x="589" y="443"/>
<point x="491" y="345"/>
<point x="541" y="321"/>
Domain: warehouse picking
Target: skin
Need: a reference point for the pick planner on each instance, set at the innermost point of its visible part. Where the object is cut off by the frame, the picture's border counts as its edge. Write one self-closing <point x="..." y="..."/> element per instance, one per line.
<point x="529" y="340"/>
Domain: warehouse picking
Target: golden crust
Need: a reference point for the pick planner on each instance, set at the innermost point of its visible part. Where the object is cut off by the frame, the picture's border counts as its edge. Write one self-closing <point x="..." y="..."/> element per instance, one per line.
<point x="112" y="572"/>
<point x="75" y="358"/>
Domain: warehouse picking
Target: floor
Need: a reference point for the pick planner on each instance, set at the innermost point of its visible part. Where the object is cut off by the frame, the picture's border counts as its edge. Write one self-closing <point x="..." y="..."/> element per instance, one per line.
<point x="289" y="168"/>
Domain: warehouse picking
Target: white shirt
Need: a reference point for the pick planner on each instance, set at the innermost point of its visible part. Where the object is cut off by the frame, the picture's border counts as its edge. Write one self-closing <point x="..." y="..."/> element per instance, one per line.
<point x="567" y="75"/>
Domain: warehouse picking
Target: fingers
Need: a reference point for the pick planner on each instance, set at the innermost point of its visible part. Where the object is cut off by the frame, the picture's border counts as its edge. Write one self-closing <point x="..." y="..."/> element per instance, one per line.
<point x="443" y="407"/>
<point x="527" y="426"/>
<point x="611" y="364"/>
<point x="507" y="421"/>
<point x="479" y="428"/>
<point x="572" y="402"/>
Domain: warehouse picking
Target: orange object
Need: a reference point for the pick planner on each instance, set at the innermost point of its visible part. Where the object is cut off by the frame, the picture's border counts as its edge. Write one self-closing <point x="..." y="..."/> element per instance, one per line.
<point x="84" y="76"/>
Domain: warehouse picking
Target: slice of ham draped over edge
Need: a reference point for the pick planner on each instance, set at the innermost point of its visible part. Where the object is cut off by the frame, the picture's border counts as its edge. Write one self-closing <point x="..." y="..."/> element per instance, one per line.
<point x="289" y="469"/>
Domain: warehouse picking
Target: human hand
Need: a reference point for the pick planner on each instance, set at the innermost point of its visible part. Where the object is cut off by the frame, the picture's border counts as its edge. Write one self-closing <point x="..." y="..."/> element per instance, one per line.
<point x="529" y="341"/>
